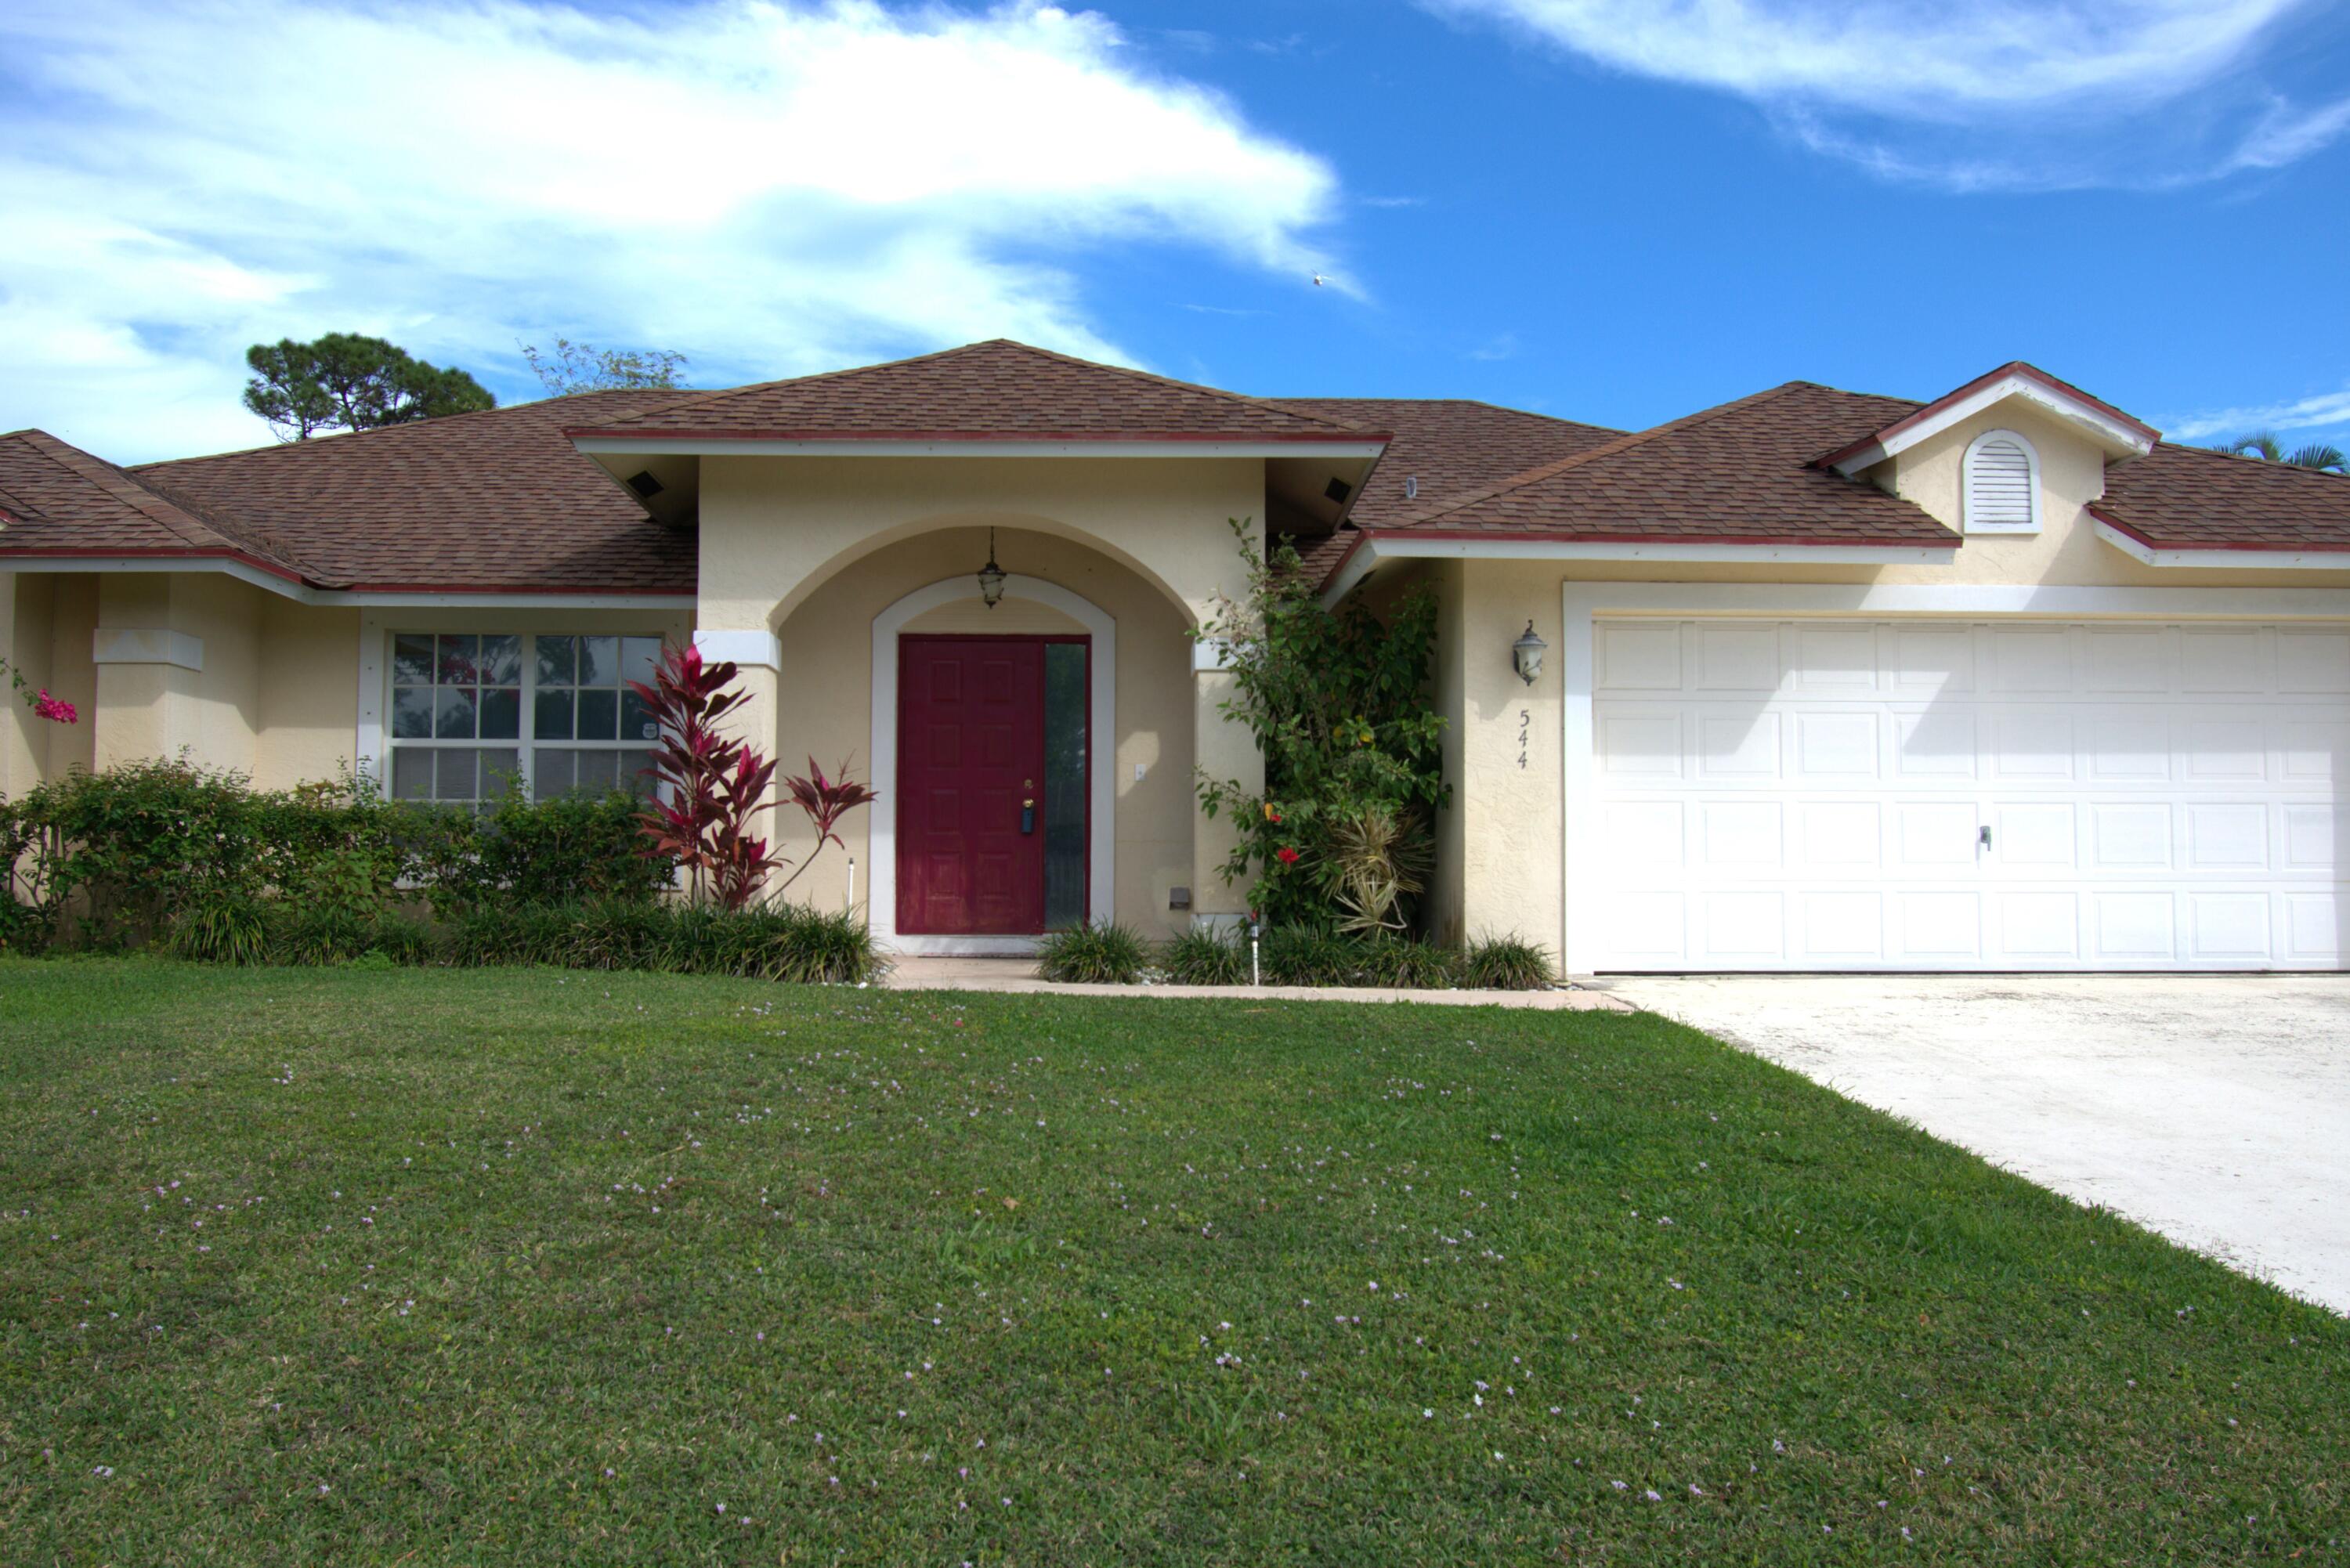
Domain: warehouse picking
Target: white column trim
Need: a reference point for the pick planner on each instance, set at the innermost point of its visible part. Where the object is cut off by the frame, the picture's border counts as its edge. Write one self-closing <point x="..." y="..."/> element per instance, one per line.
<point x="882" y="883"/>
<point x="758" y="647"/>
<point x="368" y="750"/>
<point x="146" y="645"/>
<point x="1580" y="602"/>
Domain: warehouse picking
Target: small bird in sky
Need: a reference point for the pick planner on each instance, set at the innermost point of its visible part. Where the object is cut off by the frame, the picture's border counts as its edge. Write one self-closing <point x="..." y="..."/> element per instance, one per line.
<point x="1317" y="280"/>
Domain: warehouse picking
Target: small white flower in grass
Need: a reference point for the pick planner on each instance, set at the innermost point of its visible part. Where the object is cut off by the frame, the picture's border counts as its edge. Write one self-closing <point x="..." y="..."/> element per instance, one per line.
<point x="103" y="1472"/>
<point x="1619" y="1486"/>
<point x="1427" y="1415"/>
<point x="1653" y="1495"/>
<point x="721" y="1508"/>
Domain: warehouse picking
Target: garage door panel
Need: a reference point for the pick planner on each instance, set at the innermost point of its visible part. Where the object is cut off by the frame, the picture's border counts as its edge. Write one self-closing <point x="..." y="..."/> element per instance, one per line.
<point x="1738" y="744"/>
<point x="1796" y="794"/>
<point x="2313" y="661"/>
<point x="2213" y="659"/>
<point x="1936" y="744"/>
<point x="1737" y="656"/>
<point x="1933" y="928"/>
<point x="2130" y="748"/>
<point x="2036" y="928"/>
<point x="2126" y="662"/>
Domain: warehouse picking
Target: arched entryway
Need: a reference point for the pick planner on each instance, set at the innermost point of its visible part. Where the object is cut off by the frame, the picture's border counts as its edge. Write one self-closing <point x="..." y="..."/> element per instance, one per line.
<point x="987" y="726"/>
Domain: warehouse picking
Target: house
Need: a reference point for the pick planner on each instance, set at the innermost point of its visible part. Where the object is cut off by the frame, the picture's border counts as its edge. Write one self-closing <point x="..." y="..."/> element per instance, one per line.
<point x="1829" y="682"/>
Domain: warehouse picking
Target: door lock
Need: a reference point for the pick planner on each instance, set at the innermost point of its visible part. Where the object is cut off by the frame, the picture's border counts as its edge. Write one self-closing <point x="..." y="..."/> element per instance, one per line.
<point x="1028" y="816"/>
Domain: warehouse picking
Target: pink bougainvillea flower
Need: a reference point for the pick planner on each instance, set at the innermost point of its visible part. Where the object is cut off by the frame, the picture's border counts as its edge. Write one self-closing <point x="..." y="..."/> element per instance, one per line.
<point x="1285" y="855"/>
<point x="54" y="708"/>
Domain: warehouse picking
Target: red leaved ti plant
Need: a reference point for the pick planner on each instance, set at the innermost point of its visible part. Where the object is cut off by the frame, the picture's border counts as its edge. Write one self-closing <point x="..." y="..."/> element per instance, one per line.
<point x="826" y="801"/>
<point x="712" y="785"/>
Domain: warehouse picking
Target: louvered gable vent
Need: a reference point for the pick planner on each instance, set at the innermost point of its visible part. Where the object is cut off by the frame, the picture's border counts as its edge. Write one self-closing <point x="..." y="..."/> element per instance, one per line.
<point x="2000" y="474"/>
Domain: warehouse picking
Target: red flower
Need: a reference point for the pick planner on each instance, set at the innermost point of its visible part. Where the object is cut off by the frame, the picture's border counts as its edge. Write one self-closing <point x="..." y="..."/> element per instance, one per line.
<point x="56" y="708"/>
<point x="1285" y="855"/>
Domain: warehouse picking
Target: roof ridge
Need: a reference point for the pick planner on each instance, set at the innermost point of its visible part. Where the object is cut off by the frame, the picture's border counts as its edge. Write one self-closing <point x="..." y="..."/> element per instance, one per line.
<point x="830" y="374"/>
<point x="338" y="438"/>
<point x="1230" y="396"/>
<point x="1605" y="449"/>
<point x="169" y="515"/>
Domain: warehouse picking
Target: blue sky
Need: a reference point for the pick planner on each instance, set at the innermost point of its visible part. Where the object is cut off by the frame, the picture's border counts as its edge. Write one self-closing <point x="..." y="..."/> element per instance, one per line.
<point x="1610" y="209"/>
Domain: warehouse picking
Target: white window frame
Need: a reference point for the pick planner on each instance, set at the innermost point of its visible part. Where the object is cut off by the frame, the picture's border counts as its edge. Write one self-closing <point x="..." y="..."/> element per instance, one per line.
<point x="376" y="742"/>
<point x="1967" y="487"/>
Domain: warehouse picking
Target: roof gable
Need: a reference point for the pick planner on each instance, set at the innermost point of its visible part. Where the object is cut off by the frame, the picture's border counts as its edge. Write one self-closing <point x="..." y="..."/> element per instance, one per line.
<point x="994" y="390"/>
<point x="2119" y="434"/>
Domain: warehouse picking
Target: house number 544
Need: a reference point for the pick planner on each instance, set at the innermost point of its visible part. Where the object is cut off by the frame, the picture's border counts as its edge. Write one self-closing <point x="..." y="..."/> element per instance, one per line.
<point x="1525" y="730"/>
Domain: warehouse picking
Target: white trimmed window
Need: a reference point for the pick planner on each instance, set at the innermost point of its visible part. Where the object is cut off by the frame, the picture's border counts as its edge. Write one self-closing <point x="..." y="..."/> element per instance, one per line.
<point x="2002" y="485"/>
<point x="471" y="711"/>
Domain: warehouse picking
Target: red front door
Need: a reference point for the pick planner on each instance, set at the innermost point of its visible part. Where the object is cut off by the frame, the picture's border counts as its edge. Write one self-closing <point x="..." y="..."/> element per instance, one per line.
<point x="970" y="761"/>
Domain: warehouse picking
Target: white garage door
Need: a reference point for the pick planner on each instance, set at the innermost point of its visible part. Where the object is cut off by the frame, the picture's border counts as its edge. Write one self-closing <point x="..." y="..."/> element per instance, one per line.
<point x="1932" y="795"/>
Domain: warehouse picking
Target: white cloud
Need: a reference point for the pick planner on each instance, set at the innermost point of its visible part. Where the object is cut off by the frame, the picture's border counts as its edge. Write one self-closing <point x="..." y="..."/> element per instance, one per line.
<point x="772" y="187"/>
<point x="2325" y="410"/>
<point x="1968" y="93"/>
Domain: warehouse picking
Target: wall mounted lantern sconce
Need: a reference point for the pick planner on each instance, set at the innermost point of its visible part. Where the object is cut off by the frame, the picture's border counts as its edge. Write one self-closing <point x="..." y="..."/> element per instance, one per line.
<point x="1526" y="655"/>
<point x="990" y="575"/>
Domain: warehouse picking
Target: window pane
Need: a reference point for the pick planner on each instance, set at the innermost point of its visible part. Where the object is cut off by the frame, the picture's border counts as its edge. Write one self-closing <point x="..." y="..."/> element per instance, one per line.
<point x="411" y="713"/>
<point x="411" y="659"/>
<point x="454" y="775"/>
<point x="501" y="766"/>
<point x="412" y="774"/>
<point x="501" y="661"/>
<point x="637" y="719"/>
<point x="555" y="660"/>
<point x="1066" y="698"/>
<point x="552" y="771"/>
<point x="638" y="657"/>
<point x="599" y="661"/>
<point x="599" y="714"/>
<point x="551" y="715"/>
<point x="598" y="770"/>
<point x="501" y="714"/>
<point x="453" y="713"/>
<point x="458" y="657"/>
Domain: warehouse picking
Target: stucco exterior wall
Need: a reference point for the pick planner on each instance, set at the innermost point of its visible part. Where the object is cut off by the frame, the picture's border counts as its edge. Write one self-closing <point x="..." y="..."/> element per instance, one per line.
<point x="824" y="708"/>
<point x="783" y="548"/>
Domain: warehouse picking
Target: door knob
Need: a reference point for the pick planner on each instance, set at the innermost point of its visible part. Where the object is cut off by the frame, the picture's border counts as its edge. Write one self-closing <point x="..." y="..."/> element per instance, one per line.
<point x="1027" y="816"/>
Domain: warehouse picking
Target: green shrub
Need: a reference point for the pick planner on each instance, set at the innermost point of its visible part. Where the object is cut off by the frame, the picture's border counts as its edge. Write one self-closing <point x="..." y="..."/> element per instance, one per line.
<point x="1106" y="954"/>
<point x="786" y="943"/>
<point x="317" y="935"/>
<point x="1508" y="963"/>
<point x="572" y="848"/>
<point x="1308" y="955"/>
<point x="1202" y="956"/>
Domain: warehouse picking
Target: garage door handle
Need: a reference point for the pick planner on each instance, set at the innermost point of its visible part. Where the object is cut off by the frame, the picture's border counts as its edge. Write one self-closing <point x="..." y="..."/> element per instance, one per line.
<point x="1983" y="836"/>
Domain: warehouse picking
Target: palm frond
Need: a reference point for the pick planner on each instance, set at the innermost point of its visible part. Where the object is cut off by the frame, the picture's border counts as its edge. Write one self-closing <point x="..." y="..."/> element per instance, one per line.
<point x="2320" y="456"/>
<point x="2261" y="444"/>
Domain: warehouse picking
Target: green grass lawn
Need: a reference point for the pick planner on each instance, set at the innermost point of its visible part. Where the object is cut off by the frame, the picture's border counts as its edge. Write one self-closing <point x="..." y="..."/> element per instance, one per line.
<point x="530" y="1267"/>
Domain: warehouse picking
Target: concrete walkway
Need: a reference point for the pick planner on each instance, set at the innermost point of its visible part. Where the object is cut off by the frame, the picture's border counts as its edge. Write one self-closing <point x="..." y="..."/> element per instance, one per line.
<point x="2214" y="1109"/>
<point x="1019" y="975"/>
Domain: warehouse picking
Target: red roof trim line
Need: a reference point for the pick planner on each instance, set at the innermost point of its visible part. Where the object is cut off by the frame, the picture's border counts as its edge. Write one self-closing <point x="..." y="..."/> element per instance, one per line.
<point x="1564" y="536"/>
<point x="1335" y="433"/>
<point x="2232" y="546"/>
<point x="2029" y="372"/>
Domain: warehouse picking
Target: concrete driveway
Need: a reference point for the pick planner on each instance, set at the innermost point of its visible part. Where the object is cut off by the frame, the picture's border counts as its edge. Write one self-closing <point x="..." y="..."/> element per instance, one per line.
<point x="2214" y="1109"/>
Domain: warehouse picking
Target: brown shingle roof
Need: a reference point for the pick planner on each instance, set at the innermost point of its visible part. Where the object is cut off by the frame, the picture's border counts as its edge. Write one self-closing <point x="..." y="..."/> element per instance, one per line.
<point x="2185" y="498"/>
<point x="58" y="500"/>
<point x="482" y="502"/>
<point x="998" y="389"/>
<point x="1452" y="446"/>
<point x="1738" y="473"/>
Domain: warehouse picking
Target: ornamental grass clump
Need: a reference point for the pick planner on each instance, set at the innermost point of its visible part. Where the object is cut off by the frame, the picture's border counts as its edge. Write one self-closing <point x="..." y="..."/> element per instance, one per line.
<point x="1092" y="955"/>
<point x="1203" y="956"/>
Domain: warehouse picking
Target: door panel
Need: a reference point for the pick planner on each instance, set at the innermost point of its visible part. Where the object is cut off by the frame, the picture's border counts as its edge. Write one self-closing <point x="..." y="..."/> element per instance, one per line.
<point x="1945" y="793"/>
<point x="970" y="751"/>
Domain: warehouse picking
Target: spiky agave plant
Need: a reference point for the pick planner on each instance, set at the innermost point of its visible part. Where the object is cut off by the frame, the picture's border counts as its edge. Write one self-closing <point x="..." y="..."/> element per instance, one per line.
<point x="1377" y="857"/>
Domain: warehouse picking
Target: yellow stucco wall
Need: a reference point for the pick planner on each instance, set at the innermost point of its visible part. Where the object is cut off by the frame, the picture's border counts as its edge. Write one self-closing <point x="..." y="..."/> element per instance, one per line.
<point x="825" y="707"/>
<point x="785" y="545"/>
